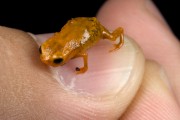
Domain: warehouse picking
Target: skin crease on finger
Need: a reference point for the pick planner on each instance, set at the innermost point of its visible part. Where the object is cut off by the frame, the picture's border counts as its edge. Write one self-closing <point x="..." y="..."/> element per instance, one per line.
<point x="140" y="18"/>
<point x="29" y="91"/>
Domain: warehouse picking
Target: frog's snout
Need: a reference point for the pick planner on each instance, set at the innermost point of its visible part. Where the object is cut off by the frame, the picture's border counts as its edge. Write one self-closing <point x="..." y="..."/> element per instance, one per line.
<point x="53" y="62"/>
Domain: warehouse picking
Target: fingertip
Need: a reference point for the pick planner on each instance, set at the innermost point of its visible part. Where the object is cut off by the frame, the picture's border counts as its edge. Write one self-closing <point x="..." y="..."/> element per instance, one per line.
<point x="110" y="83"/>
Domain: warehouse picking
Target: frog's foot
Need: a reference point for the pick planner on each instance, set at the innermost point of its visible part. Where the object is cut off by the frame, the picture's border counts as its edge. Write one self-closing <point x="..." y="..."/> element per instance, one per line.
<point x="116" y="47"/>
<point x="81" y="70"/>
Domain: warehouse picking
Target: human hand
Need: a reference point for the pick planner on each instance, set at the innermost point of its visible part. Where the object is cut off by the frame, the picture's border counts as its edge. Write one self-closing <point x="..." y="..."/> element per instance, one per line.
<point x="144" y="23"/>
<point x="28" y="89"/>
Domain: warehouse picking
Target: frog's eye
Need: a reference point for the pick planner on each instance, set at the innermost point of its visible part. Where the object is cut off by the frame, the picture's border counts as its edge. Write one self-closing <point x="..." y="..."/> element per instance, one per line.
<point x="40" y="50"/>
<point x="57" y="60"/>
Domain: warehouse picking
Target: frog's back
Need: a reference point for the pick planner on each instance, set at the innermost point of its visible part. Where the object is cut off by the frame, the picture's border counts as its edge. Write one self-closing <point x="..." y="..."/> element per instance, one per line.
<point x="82" y="23"/>
<point x="86" y="31"/>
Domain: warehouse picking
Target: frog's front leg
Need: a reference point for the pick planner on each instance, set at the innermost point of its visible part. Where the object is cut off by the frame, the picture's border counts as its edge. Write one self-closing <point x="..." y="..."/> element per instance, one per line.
<point x="85" y="67"/>
<point x="113" y="36"/>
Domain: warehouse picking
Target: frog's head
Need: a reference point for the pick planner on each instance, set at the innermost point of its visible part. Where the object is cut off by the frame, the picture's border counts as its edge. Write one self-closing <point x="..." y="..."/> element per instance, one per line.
<point x="48" y="57"/>
<point x="51" y="53"/>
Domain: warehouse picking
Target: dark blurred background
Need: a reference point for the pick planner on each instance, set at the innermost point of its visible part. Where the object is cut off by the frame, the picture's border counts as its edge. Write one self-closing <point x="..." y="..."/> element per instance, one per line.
<point x="51" y="16"/>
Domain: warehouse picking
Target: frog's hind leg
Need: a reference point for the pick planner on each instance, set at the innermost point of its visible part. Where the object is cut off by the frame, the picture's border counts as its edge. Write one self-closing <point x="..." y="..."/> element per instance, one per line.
<point x="113" y="36"/>
<point x="85" y="67"/>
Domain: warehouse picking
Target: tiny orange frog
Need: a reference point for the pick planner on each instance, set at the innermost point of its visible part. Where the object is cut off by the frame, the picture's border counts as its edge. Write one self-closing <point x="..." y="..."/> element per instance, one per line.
<point x="75" y="37"/>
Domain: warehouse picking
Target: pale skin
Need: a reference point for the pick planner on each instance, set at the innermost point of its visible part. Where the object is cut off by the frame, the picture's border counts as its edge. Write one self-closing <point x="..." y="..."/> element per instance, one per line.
<point x="26" y="94"/>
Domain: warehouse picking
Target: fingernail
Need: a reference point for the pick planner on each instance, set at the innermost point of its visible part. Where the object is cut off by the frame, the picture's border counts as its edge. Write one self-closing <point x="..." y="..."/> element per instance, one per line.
<point x="108" y="72"/>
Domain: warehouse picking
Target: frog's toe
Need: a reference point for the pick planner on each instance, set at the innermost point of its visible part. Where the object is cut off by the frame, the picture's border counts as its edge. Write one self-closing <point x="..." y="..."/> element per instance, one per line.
<point x="116" y="47"/>
<point x="80" y="70"/>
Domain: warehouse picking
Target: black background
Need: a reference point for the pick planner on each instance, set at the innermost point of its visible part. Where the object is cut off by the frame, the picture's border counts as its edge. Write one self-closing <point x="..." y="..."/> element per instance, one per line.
<point x="51" y="16"/>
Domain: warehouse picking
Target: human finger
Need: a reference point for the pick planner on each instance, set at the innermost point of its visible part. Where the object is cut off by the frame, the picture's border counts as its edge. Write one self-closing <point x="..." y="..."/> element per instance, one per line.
<point x="142" y="21"/>
<point x="154" y="100"/>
